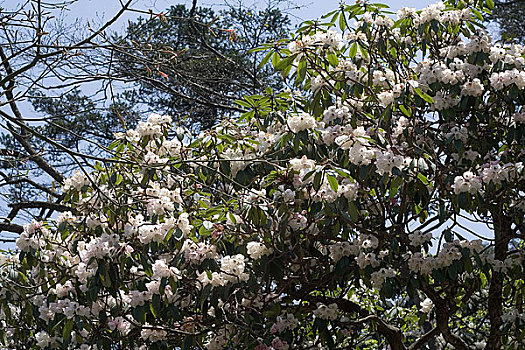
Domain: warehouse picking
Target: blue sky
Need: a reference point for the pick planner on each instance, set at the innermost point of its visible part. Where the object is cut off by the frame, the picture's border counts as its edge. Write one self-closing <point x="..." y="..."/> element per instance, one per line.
<point x="309" y="9"/>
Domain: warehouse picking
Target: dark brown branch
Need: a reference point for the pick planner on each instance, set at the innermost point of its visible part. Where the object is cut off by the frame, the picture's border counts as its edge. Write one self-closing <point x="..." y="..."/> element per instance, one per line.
<point x="16" y="207"/>
<point x="34" y="184"/>
<point x="11" y="228"/>
<point x="495" y="298"/>
<point x="425" y="338"/>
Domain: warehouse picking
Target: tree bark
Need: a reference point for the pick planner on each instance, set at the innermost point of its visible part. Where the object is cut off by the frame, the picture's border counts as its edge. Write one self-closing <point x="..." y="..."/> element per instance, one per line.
<point x="495" y="300"/>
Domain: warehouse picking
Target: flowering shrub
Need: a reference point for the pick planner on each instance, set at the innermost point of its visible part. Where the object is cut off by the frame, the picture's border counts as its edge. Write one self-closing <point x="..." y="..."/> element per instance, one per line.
<point x="324" y="218"/>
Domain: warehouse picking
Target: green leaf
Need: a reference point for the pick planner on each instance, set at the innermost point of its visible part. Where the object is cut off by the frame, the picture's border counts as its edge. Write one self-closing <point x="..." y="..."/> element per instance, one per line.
<point x="423" y="95"/>
<point x="364" y="52"/>
<point x="406" y="111"/>
<point x="265" y="59"/>
<point x="332" y="58"/>
<point x="188" y="343"/>
<point x="284" y="63"/>
<point x="119" y="179"/>
<point x="342" y="22"/>
<point x="353" y="50"/>
<point x="152" y="309"/>
<point x="333" y="182"/>
<point x="275" y="59"/>
<point x="423" y="178"/>
<point x="448" y="235"/>
<point x="477" y="14"/>
<point x="463" y="200"/>
<point x="301" y="72"/>
<point x="394" y="186"/>
<point x="66" y="332"/>
<point x="317" y="180"/>
<point x="490" y="4"/>
<point x="352" y="210"/>
<point x="272" y="311"/>
<point x="243" y="103"/>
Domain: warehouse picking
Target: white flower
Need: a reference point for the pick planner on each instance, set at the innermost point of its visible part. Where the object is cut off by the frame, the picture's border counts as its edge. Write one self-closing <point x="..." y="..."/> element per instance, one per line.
<point x="161" y="269"/>
<point x="76" y="182"/>
<point x="42" y="339"/>
<point x="256" y="250"/>
<point x="300" y="122"/>
<point x="379" y="277"/>
<point x="406" y="12"/>
<point x="467" y="183"/>
<point x="426" y="306"/>
<point x="472" y="88"/>
<point x="153" y="335"/>
<point x="417" y="238"/>
<point x="519" y="118"/>
<point x="330" y="38"/>
<point x="326" y="312"/>
<point x="385" y="98"/>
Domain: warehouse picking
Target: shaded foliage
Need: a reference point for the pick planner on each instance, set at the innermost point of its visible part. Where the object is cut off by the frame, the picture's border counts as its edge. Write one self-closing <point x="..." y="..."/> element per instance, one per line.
<point x="509" y="15"/>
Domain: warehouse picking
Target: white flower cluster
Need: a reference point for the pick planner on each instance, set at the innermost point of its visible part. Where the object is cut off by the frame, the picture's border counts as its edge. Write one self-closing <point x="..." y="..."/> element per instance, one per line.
<point x="75" y="182"/>
<point x="284" y="322"/>
<point x="28" y="238"/>
<point x="153" y="126"/>
<point x="44" y="340"/>
<point x="325" y="312"/>
<point x="232" y="271"/>
<point x="161" y="270"/>
<point x="298" y="222"/>
<point x="434" y="12"/>
<point x="342" y="249"/>
<point x="195" y="253"/>
<point x="379" y="277"/>
<point x="418" y="238"/>
<point x="333" y="112"/>
<point x="426" y="306"/>
<point x="153" y="334"/>
<point x="238" y="160"/>
<point x="495" y="172"/>
<point x="492" y="172"/>
<point x="519" y="117"/>
<point x="387" y="160"/>
<point x="287" y="195"/>
<point x="350" y="70"/>
<point x="98" y="247"/>
<point x="301" y="121"/>
<point x="472" y="88"/>
<point x="457" y="133"/>
<point x="157" y="232"/>
<point x="437" y="71"/>
<point x="303" y="166"/>
<point x="479" y="42"/>
<point x="443" y="101"/>
<point x="358" y="145"/>
<point x="508" y="53"/>
<point x="359" y="248"/>
<point x="468" y="182"/>
<point x="120" y="324"/>
<point x="256" y="250"/>
<point x="330" y="39"/>
<point x="450" y="251"/>
<point x="62" y="306"/>
<point x="506" y="78"/>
